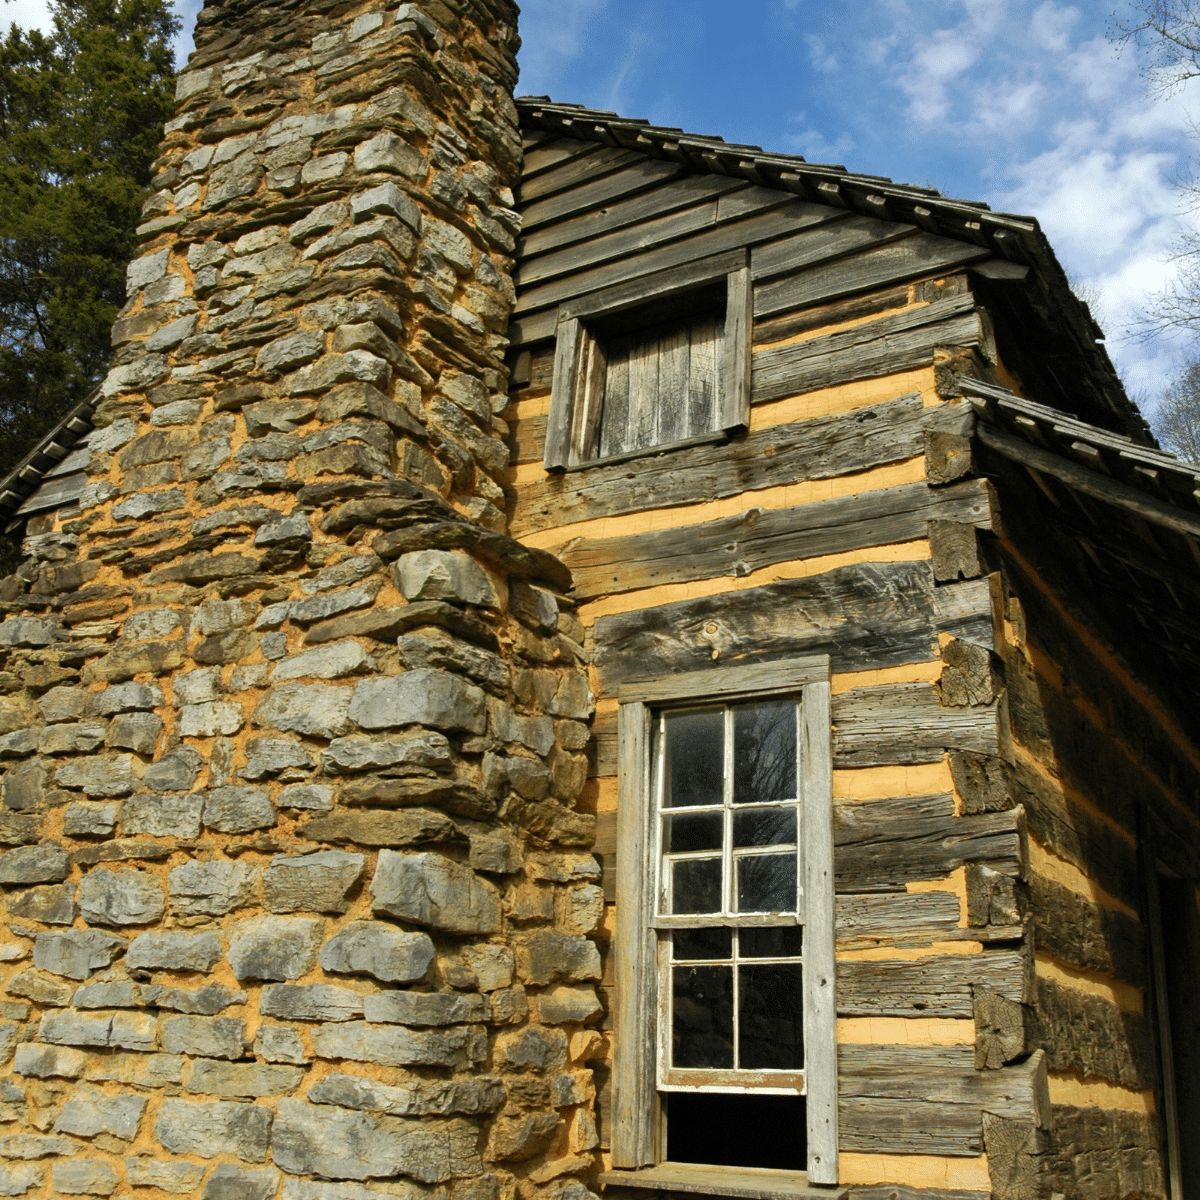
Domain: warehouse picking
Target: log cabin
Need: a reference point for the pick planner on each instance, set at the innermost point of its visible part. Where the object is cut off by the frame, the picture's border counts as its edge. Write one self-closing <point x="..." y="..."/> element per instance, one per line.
<point x="619" y="662"/>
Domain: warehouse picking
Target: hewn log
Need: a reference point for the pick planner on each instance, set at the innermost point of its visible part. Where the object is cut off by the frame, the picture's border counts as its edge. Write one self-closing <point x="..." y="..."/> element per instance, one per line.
<point x="1098" y="1152"/>
<point x="956" y="553"/>
<point x="757" y="538"/>
<point x="1015" y="1150"/>
<point x="968" y="677"/>
<point x="863" y="616"/>
<point x="933" y="986"/>
<point x="1086" y="935"/>
<point x="994" y="897"/>
<point x="821" y="448"/>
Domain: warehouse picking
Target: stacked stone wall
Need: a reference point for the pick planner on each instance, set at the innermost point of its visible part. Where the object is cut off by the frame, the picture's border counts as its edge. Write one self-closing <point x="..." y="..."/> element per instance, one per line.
<point x="297" y="899"/>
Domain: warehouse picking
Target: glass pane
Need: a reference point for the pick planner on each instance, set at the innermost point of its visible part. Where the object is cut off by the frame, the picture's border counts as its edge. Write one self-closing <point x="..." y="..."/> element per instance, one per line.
<point x="694" y="770"/>
<point x="696" y="831"/>
<point x="780" y="941"/>
<point x="764" y="827"/>
<point x="697" y="885"/>
<point x="765" y="883"/>
<point x="764" y="751"/>
<point x="701" y="943"/>
<point x="770" y="1017"/>
<point x="702" y="1024"/>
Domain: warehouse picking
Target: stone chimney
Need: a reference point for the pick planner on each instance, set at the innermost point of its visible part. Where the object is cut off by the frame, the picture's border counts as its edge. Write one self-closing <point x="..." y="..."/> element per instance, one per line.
<point x="292" y="730"/>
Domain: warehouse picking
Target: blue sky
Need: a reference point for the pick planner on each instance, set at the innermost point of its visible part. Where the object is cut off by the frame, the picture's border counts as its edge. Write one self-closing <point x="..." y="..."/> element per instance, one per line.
<point x="1022" y="103"/>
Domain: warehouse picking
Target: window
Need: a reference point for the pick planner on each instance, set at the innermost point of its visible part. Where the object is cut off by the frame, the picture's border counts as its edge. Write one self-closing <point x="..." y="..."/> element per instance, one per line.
<point x="725" y="1011"/>
<point x="661" y="363"/>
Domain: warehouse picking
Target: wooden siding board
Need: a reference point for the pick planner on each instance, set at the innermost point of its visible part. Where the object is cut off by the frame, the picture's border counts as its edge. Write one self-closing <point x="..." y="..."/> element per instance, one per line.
<point x="578" y="169"/>
<point x="819" y="448"/>
<point x="846" y="236"/>
<point x="550" y="154"/>
<point x="933" y="986"/>
<point x="757" y="538"/>
<point x="643" y="173"/>
<point x="679" y="193"/>
<point x="863" y="616"/>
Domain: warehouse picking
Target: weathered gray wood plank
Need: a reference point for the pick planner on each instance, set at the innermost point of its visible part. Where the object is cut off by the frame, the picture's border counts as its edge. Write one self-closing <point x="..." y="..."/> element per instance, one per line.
<point x="678" y="193"/>
<point x="933" y="986"/>
<point x="881" y="347"/>
<point x="863" y="616"/>
<point x="893" y="918"/>
<point x="845" y="236"/>
<point x="552" y="153"/>
<point x="642" y="173"/>
<point x="906" y="723"/>
<point x="738" y="545"/>
<point x="819" y="448"/>
<point x="574" y="170"/>
<point x="890" y="263"/>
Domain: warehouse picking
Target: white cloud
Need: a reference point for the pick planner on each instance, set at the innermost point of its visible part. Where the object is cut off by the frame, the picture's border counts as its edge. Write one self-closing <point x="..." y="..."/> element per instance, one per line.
<point x="821" y="57"/>
<point x="554" y="35"/>
<point x="29" y="14"/>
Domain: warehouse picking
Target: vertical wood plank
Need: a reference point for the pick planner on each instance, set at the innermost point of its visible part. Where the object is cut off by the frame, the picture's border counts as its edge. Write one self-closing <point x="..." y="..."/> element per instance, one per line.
<point x="567" y="348"/>
<point x="634" y="975"/>
<point x="820" y="990"/>
<point x="1162" y="1013"/>
<point x="614" y="420"/>
<point x="643" y="392"/>
<point x="589" y="403"/>
<point x="674" y="354"/>
<point x="702" y="377"/>
<point x="735" y="366"/>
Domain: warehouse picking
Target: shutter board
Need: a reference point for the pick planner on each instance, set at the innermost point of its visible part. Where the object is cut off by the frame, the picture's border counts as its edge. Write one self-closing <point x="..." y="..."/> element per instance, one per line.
<point x="643" y="393"/>
<point x="735" y="357"/>
<point x="590" y="400"/>
<point x="614" y="421"/>
<point x="702" y="377"/>
<point x="567" y="348"/>
<point x="673" y="371"/>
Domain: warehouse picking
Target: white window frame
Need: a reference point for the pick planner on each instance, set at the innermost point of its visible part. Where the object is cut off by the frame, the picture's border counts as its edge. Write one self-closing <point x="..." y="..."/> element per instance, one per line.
<point x="576" y="390"/>
<point x="638" y="1023"/>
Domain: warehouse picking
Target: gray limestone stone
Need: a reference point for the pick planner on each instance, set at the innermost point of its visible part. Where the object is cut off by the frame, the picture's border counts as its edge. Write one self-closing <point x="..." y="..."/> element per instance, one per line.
<point x="421" y="697"/>
<point x="52" y="904"/>
<point x="226" y="647"/>
<point x="437" y="648"/>
<point x="214" y="616"/>
<point x="100" y="775"/>
<point x="174" y="951"/>
<point x="335" y="1144"/>
<point x="276" y="416"/>
<point x="238" y="809"/>
<point x="546" y="956"/>
<point x="136" y="731"/>
<point x="162" y="815"/>
<point x="18" y="1178"/>
<point x="63" y="704"/>
<point x="120" y="993"/>
<point x="387" y="198"/>
<point x="176" y="771"/>
<point x="124" y="697"/>
<point x="170" y="1176"/>
<point x="396" y="1189"/>
<point x="394" y="1046"/>
<point x="271" y="756"/>
<point x="84" y="1177"/>
<point x="274" y="948"/>
<point x="40" y="988"/>
<point x="444" y="575"/>
<point x="151" y="623"/>
<point x="121" y="897"/>
<point x="73" y="738"/>
<point x="46" y="863"/>
<point x="535" y="732"/>
<point x="279" y="1044"/>
<point x="89" y="819"/>
<point x="288" y="353"/>
<point x="127" y="1030"/>
<point x="19" y="744"/>
<point x="23" y="788"/>
<point x="197" y="687"/>
<point x="416" y="1097"/>
<point x="312" y="797"/>
<point x="334" y="660"/>
<point x="563" y="1005"/>
<point x="367" y="753"/>
<point x="231" y="1182"/>
<point x="376" y="948"/>
<point x="89" y="1111"/>
<point x="493" y="965"/>
<point x="205" y="1001"/>
<point x="310" y="1002"/>
<point x="534" y="1048"/>
<point x="205" y="1037"/>
<point x="28" y="631"/>
<point x="210" y="719"/>
<point x="311" y="882"/>
<point x="208" y="1129"/>
<point x="212" y="888"/>
<point x="430" y="889"/>
<point x="30" y="1145"/>
<point x="75" y="953"/>
<point x="387" y="152"/>
<point x="426" y="1008"/>
<point x="45" y="1062"/>
<point x="137" y="1070"/>
<point x="288" y="529"/>
<point x="328" y="603"/>
<point x="236" y="1080"/>
<point x="312" y="709"/>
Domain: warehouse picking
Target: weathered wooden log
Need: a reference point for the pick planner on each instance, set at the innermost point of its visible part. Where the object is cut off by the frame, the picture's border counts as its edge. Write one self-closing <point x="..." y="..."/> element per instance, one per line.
<point x="1086" y="935"/>
<point x="1001" y="1029"/>
<point x="933" y="986"/>
<point x="969" y="676"/>
<point x="956" y="553"/>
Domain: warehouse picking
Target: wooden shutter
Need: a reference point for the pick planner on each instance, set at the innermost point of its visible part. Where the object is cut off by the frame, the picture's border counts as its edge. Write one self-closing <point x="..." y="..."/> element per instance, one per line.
<point x="735" y="358"/>
<point x="563" y="387"/>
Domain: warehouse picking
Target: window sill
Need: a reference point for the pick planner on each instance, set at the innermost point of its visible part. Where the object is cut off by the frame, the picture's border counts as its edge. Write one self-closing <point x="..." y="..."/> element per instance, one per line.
<point x="612" y="460"/>
<point x="744" y="1183"/>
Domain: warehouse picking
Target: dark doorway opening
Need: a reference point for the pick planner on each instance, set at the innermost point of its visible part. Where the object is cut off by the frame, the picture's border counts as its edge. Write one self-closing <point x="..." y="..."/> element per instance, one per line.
<point x="737" y="1130"/>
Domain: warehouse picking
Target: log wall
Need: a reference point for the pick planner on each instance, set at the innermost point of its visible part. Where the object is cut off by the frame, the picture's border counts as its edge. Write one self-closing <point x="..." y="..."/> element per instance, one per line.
<point x="843" y="522"/>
